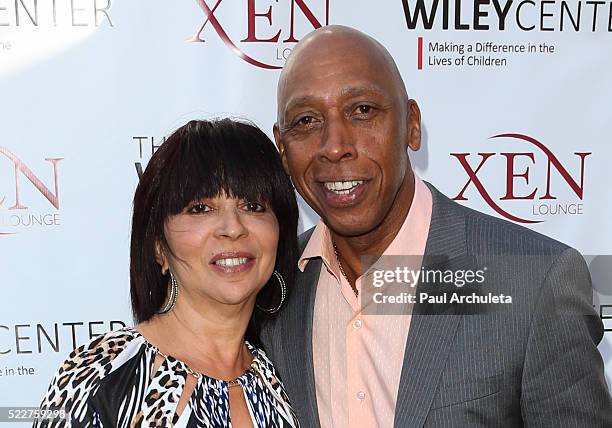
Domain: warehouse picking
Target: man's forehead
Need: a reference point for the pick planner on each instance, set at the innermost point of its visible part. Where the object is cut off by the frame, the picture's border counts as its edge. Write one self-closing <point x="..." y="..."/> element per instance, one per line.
<point x="313" y="60"/>
<point x="343" y="77"/>
<point x="337" y="64"/>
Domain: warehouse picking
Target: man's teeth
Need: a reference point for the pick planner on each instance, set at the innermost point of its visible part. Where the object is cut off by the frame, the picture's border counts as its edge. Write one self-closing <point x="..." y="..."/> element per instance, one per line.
<point x="232" y="261"/>
<point x="342" y="187"/>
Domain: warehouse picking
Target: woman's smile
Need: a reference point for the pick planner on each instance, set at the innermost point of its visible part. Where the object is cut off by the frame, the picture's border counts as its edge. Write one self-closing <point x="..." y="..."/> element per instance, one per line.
<point x="232" y="262"/>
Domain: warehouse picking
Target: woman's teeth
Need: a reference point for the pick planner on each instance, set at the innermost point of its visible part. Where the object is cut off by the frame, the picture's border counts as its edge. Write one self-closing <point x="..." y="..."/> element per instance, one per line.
<point x="232" y="261"/>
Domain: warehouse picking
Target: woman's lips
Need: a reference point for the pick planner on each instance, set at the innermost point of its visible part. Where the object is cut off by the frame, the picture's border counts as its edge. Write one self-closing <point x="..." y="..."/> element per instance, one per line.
<point x="232" y="262"/>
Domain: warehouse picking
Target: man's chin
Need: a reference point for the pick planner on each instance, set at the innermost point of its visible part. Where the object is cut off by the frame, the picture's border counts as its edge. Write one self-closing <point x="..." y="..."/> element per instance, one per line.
<point x="346" y="228"/>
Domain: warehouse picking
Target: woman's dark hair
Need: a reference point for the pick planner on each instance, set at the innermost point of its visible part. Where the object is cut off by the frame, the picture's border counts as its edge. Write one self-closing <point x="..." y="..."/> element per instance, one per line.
<point x="203" y="159"/>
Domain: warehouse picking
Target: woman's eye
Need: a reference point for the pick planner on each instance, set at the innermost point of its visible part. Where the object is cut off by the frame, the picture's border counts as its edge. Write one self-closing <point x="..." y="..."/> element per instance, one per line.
<point x="255" y="207"/>
<point x="199" y="208"/>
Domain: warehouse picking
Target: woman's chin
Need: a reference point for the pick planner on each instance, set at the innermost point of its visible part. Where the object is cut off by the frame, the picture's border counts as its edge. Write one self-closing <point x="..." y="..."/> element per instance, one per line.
<point x="236" y="299"/>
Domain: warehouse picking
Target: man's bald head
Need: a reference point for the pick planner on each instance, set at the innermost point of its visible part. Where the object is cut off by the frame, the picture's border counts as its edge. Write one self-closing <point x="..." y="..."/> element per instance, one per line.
<point x="336" y="43"/>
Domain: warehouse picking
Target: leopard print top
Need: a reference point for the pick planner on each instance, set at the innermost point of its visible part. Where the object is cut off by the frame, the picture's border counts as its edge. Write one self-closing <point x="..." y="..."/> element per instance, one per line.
<point x="108" y="383"/>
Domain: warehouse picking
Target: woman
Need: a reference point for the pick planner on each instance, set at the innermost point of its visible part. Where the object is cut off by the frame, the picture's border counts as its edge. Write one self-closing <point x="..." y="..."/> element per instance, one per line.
<point x="211" y="212"/>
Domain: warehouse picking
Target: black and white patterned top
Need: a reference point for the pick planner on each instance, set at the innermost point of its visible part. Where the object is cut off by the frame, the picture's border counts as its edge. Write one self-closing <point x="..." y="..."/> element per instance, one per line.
<point x="108" y="382"/>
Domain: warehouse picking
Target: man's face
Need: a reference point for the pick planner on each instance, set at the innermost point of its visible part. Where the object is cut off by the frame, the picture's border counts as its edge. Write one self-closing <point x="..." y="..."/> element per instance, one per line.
<point x="343" y="129"/>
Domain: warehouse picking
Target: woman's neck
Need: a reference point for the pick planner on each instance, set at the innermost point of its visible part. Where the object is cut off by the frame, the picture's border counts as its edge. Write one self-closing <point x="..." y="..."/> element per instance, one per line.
<point x="209" y="338"/>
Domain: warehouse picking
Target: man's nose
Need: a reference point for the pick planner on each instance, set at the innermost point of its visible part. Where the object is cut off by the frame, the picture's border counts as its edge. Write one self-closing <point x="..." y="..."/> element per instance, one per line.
<point x="336" y="141"/>
<point x="230" y="224"/>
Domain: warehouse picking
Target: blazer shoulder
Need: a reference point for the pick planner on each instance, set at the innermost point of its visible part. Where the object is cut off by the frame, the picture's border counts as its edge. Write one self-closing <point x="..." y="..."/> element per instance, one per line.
<point x="511" y="237"/>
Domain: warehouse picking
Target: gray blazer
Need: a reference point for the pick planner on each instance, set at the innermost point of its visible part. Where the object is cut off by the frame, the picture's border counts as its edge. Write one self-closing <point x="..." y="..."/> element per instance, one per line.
<point x="536" y="365"/>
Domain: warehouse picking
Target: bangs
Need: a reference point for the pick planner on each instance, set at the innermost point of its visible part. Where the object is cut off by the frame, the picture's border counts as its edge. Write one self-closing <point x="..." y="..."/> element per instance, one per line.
<point x="212" y="158"/>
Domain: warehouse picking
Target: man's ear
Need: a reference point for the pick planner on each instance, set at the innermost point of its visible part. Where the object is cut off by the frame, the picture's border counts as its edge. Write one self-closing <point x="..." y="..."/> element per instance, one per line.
<point x="161" y="258"/>
<point x="281" y="147"/>
<point x="413" y="119"/>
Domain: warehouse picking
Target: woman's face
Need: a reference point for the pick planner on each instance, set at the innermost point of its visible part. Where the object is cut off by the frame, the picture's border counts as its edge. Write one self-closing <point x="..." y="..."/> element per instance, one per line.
<point x="223" y="250"/>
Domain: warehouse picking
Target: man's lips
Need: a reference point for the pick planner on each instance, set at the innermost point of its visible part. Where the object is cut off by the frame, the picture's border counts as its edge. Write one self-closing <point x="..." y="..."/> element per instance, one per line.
<point x="343" y="192"/>
<point x="232" y="261"/>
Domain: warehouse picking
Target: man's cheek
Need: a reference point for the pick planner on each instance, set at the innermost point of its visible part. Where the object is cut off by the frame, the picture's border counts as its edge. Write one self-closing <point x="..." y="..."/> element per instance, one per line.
<point x="298" y="167"/>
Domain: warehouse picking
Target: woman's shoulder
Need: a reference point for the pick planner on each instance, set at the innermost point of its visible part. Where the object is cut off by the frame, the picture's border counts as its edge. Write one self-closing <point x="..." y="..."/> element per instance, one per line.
<point x="102" y="350"/>
<point x="264" y="366"/>
<point x="260" y="355"/>
<point x="87" y="365"/>
<point x="272" y="382"/>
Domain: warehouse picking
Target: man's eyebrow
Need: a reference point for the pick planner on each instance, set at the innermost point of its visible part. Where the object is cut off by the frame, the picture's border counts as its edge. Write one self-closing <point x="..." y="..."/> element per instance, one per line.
<point x="349" y="92"/>
<point x="299" y="101"/>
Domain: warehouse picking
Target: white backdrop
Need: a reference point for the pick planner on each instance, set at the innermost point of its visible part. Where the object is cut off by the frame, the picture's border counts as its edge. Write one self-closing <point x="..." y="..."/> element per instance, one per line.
<point x="88" y="87"/>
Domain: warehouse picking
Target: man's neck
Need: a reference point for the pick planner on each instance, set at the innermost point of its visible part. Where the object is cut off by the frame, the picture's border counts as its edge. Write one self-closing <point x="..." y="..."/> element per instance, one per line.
<point x="373" y="244"/>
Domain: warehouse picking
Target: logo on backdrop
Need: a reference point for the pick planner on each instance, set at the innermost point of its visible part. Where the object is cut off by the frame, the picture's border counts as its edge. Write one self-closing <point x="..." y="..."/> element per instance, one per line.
<point x="25" y="200"/>
<point x="270" y="31"/>
<point x="479" y="17"/>
<point x="24" y="346"/>
<point x="499" y="15"/>
<point x="526" y="186"/>
<point x="46" y="337"/>
<point x="56" y="13"/>
<point x="32" y="30"/>
<point x="147" y="146"/>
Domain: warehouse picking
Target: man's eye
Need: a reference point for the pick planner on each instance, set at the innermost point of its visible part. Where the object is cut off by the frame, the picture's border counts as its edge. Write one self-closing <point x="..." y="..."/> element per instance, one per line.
<point x="364" y="109"/>
<point x="305" y="120"/>
<point x="199" y="208"/>
<point x="255" y="207"/>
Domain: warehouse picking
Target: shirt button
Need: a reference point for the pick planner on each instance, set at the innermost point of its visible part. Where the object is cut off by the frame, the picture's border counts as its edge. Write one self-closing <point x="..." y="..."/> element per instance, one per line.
<point x="361" y="395"/>
<point x="357" y="324"/>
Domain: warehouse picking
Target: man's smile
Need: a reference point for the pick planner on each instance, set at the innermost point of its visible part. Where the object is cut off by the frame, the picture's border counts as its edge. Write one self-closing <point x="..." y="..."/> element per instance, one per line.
<point x="342" y="187"/>
<point x="342" y="192"/>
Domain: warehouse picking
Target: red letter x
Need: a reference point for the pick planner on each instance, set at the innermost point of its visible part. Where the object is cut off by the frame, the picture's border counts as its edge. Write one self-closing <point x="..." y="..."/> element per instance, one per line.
<point x="473" y="178"/>
<point x="210" y="17"/>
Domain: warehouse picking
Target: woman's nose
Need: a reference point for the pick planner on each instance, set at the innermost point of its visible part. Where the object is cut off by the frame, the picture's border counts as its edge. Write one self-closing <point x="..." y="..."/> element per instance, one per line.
<point x="230" y="225"/>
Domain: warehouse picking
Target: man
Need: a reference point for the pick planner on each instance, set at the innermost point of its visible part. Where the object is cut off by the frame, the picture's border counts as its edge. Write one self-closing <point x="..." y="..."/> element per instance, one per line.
<point x="344" y="125"/>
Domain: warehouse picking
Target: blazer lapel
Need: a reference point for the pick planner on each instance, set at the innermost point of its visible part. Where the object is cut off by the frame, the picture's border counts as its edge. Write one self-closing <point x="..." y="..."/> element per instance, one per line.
<point x="431" y="335"/>
<point x="296" y="334"/>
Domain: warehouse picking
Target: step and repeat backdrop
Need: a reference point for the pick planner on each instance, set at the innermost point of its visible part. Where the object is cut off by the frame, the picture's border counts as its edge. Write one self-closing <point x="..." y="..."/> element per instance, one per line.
<point x="515" y="99"/>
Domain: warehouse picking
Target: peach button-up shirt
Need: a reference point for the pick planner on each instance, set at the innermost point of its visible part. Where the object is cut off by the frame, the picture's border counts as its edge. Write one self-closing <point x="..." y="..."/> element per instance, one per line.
<point x="357" y="355"/>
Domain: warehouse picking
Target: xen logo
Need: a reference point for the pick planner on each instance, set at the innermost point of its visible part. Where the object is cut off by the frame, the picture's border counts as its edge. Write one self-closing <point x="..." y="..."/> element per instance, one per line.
<point x="19" y="171"/>
<point x="258" y="23"/>
<point x="522" y="169"/>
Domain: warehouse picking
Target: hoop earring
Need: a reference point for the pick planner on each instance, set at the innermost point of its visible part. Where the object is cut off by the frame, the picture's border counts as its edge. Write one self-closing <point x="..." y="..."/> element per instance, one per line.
<point x="172" y="297"/>
<point x="283" y="287"/>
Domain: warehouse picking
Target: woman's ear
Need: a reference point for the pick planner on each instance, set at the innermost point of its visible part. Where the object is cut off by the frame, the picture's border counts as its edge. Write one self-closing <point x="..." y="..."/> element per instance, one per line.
<point x="161" y="258"/>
